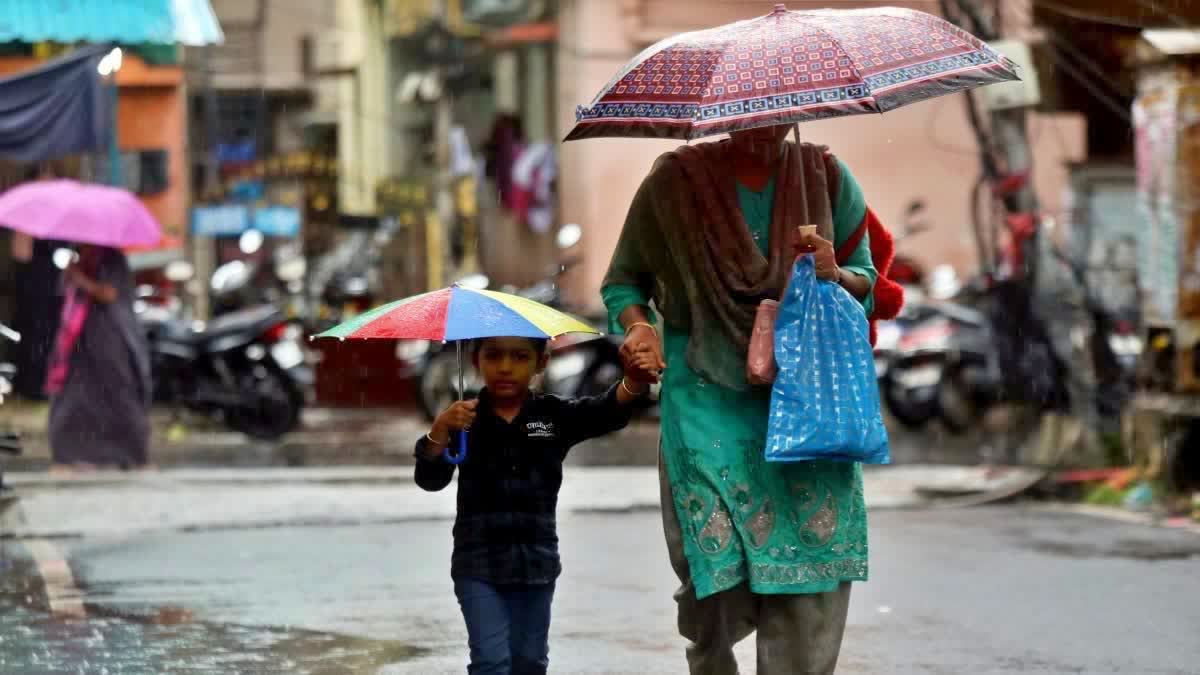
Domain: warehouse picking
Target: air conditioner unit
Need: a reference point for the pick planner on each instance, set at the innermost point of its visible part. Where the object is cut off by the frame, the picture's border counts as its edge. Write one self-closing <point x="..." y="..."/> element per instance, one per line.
<point x="1008" y="95"/>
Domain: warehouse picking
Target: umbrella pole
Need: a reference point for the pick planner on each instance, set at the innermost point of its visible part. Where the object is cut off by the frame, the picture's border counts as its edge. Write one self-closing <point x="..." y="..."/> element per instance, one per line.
<point x="460" y="453"/>
<point x="461" y="386"/>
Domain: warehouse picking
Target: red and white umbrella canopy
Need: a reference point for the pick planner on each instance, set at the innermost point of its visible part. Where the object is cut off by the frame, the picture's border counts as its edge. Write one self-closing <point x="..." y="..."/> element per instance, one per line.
<point x="788" y="67"/>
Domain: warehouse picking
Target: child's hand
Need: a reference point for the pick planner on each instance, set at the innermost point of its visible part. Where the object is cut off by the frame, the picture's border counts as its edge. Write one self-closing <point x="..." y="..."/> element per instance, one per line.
<point x="455" y="418"/>
<point x="643" y="365"/>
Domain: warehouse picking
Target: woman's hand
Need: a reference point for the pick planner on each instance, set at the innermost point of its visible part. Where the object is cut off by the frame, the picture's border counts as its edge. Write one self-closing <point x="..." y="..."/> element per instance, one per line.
<point x="100" y="292"/>
<point x="642" y="356"/>
<point x="75" y="275"/>
<point x="823" y="255"/>
<point x="644" y="364"/>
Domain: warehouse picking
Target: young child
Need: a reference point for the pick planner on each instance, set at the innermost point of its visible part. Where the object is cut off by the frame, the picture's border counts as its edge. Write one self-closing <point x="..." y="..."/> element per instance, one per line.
<point x="505" y="559"/>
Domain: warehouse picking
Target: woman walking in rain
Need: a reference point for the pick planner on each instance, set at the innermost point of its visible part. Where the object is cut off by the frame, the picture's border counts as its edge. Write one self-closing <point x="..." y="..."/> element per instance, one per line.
<point x="99" y="374"/>
<point x="712" y="232"/>
<point x="772" y="547"/>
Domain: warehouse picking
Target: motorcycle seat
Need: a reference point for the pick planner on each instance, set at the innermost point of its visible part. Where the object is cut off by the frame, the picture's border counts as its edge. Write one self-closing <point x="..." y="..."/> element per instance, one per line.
<point x="251" y="319"/>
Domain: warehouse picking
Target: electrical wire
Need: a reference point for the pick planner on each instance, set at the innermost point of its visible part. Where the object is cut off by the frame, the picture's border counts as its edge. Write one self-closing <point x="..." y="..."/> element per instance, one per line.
<point x="1095" y="85"/>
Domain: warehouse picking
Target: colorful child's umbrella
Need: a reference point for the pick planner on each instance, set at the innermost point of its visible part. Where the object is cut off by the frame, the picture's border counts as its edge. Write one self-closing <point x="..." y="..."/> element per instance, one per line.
<point x="457" y="314"/>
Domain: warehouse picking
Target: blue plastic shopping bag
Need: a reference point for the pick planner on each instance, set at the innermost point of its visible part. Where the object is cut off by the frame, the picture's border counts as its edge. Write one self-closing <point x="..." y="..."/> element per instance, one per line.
<point x="825" y="401"/>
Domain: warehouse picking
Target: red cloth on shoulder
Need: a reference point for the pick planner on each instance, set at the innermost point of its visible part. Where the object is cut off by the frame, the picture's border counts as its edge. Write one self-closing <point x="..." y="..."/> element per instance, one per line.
<point x="889" y="295"/>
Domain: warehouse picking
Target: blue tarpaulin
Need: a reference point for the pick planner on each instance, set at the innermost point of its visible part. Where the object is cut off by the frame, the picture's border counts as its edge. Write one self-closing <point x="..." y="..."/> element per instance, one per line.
<point x="188" y="22"/>
<point x="59" y="108"/>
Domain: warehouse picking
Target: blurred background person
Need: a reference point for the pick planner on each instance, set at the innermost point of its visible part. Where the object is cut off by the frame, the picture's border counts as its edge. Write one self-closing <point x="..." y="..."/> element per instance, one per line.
<point x="99" y="374"/>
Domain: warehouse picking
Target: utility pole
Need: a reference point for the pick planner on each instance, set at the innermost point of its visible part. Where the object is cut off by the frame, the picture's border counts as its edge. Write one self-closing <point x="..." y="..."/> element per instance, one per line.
<point x="203" y="255"/>
<point x="1005" y="152"/>
<point x="442" y="214"/>
<point x="1007" y="163"/>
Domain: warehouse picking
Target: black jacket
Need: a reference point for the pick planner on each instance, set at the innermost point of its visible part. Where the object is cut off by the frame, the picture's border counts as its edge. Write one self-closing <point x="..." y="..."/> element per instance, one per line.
<point x="505" y="531"/>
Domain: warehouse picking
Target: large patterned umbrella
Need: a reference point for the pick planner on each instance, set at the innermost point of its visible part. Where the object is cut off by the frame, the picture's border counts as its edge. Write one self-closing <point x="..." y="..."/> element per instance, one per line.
<point x="788" y="67"/>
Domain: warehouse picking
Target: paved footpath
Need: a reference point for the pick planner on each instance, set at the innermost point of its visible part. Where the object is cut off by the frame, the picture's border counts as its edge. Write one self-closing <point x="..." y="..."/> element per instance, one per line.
<point x="110" y="503"/>
<point x="356" y="436"/>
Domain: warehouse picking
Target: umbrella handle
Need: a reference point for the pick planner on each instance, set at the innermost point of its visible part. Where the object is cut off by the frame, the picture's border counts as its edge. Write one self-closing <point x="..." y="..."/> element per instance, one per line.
<point x="460" y="453"/>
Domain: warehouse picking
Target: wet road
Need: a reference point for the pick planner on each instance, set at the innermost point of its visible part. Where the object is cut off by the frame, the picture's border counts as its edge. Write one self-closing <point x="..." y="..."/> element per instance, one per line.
<point x="999" y="590"/>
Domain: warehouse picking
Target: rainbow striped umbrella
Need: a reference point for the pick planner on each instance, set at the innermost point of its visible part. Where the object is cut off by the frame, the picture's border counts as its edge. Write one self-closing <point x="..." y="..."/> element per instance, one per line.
<point x="458" y="313"/>
<point x="455" y="314"/>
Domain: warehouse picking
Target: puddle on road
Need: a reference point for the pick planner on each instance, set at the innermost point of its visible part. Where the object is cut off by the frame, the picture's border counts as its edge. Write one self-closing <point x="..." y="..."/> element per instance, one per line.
<point x="167" y="640"/>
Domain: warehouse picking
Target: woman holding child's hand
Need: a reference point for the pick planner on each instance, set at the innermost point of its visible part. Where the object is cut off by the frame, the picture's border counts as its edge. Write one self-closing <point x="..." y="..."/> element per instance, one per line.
<point x="713" y="230"/>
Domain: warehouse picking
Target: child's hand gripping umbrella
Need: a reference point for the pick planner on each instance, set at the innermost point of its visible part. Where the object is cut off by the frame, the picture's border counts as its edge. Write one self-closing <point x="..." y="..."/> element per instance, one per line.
<point x="455" y="314"/>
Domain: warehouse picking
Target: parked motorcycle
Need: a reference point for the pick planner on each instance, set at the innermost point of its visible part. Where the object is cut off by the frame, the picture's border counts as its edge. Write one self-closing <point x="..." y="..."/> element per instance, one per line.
<point x="988" y="347"/>
<point x="1021" y="365"/>
<point x="905" y="362"/>
<point x="908" y="404"/>
<point x="949" y="341"/>
<point x="248" y="366"/>
<point x="10" y="442"/>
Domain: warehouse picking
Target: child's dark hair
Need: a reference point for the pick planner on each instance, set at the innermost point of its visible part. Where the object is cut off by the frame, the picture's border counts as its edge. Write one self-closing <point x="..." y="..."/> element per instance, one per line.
<point x="540" y="345"/>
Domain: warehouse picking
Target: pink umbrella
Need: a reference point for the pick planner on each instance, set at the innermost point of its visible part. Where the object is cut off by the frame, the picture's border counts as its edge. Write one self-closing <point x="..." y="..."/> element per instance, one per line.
<point x="789" y="67"/>
<point x="83" y="213"/>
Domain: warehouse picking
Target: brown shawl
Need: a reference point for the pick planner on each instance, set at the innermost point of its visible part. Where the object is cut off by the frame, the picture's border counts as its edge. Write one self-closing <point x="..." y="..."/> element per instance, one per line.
<point x="686" y="242"/>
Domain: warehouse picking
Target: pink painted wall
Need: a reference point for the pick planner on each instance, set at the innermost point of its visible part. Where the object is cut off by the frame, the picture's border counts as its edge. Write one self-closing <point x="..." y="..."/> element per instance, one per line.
<point x="925" y="151"/>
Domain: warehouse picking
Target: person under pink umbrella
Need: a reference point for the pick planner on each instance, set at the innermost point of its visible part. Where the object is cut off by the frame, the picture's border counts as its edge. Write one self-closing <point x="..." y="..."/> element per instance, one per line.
<point x="98" y="378"/>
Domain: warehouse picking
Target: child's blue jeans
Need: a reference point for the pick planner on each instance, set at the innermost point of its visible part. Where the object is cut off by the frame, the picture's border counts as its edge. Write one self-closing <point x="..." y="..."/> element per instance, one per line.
<point x="508" y="627"/>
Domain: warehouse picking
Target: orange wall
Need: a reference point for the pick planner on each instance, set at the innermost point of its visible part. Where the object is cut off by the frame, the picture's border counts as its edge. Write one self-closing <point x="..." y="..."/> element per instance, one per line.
<point x="153" y="119"/>
<point x="152" y="114"/>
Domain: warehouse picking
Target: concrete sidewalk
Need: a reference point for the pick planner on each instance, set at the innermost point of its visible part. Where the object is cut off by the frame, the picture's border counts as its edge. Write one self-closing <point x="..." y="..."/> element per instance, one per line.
<point x="365" y="436"/>
<point x="115" y="504"/>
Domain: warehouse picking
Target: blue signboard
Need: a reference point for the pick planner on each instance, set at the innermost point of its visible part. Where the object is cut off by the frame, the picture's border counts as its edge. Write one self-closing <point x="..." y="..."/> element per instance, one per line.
<point x="277" y="221"/>
<point x="231" y="220"/>
<point x="247" y="191"/>
<point x="236" y="153"/>
<point x="223" y="220"/>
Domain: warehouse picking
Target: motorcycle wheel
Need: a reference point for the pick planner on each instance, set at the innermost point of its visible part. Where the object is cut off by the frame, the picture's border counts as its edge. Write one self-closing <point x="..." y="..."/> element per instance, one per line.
<point x="911" y="414"/>
<point x="273" y="404"/>
<point x="438" y="387"/>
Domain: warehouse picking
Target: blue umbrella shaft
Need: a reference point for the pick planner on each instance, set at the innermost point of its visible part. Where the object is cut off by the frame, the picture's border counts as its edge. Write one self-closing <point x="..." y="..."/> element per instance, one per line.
<point x="460" y="453"/>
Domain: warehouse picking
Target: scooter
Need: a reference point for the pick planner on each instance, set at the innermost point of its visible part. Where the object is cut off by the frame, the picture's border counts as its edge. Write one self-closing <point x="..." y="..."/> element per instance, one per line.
<point x="248" y="366"/>
<point x="10" y="443"/>
<point x="909" y="383"/>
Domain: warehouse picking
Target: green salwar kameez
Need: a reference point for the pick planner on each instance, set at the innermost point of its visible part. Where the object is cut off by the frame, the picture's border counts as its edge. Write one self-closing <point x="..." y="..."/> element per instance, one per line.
<point x="796" y="528"/>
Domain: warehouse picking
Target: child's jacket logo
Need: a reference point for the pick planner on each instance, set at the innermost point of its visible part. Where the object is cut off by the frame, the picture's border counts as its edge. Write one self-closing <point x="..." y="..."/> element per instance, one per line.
<point x="540" y="429"/>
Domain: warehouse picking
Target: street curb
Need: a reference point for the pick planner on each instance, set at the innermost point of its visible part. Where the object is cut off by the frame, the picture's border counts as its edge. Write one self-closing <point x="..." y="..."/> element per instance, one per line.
<point x="1123" y="516"/>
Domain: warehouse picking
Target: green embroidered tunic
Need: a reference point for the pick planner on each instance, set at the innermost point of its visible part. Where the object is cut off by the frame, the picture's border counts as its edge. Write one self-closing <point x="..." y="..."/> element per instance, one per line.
<point x="784" y="528"/>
